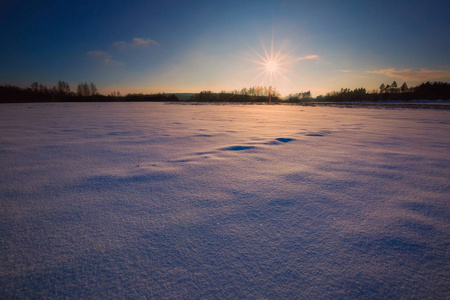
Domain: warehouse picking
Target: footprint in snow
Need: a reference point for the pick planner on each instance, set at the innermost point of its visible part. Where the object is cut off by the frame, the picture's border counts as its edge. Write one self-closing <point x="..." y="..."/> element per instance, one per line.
<point x="203" y="135"/>
<point x="238" y="148"/>
<point x="284" y="140"/>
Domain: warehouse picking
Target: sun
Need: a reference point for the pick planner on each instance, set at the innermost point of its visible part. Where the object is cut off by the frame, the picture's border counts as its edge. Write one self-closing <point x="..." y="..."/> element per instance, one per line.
<point x="271" y="66"/>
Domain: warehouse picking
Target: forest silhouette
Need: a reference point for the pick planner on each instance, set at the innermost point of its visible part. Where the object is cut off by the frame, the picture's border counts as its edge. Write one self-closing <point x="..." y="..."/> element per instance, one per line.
<point x="85" y="92"/>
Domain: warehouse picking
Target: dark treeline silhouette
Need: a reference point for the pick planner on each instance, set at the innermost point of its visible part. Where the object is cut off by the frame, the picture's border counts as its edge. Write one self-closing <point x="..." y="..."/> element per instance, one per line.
<point x="258" y="94"/>
<point x="252" y="94"/>
<point x="150" y="97"/>
<point x="61" y="93"/>
<point x="299" y="97"/>
<point x="425" y="91"/>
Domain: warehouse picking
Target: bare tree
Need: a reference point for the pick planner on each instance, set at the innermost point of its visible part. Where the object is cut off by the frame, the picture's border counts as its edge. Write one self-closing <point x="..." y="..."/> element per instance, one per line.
<point x="93" y="89"/>
<point x="83" y="90"/>
<point x="62" y="88"/>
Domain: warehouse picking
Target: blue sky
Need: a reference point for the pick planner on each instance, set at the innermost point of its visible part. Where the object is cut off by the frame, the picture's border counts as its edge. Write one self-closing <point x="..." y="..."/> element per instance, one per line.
<point x="189" y="46"/>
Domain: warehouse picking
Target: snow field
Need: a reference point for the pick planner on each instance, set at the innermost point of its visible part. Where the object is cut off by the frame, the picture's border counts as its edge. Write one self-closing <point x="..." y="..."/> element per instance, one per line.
<point x="223" y="201"/>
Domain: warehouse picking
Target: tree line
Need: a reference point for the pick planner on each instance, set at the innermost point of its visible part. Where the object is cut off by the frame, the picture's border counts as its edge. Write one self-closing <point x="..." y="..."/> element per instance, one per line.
<point x="61" y="92"/>
<point x="393" y="88"/>
<point x="425" y="91"/>
<point x="85" y="92"/>
<point x="62" y="88"/>
<point x="252" y="94"/>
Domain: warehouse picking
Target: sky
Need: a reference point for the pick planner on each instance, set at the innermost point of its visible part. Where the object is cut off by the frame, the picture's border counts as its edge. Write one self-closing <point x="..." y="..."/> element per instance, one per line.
<point x="190" y="46"/>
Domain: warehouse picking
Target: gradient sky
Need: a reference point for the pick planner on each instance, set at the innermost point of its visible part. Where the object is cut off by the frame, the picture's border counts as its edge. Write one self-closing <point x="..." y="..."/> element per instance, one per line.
<point x="189" y="46"/>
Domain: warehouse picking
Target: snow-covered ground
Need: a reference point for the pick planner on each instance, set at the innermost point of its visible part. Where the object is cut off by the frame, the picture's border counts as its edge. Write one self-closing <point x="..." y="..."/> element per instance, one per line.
<point x="113" y="200"/>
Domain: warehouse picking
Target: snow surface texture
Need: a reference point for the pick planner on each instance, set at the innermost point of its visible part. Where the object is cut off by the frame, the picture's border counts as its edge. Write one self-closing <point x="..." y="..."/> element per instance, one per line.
<point x="223" y="201"/>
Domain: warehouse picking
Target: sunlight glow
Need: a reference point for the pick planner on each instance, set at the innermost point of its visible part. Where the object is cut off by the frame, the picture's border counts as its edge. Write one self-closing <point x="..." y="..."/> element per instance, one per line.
<point x="273" y="64"/>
